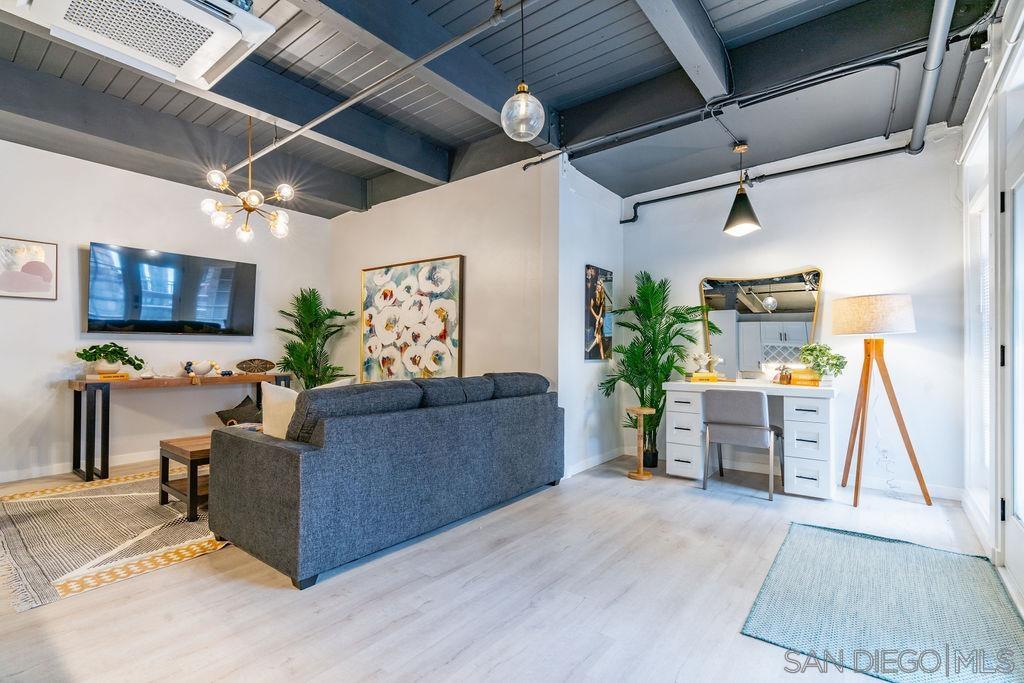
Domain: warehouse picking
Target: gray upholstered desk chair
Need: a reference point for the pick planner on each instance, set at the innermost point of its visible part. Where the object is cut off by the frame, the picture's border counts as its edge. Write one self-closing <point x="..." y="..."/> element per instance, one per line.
<point x="739" y="418"/>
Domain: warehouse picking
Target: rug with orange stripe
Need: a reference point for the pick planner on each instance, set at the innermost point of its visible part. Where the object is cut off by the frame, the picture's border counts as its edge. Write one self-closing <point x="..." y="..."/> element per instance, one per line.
<point x="65" y="540"/>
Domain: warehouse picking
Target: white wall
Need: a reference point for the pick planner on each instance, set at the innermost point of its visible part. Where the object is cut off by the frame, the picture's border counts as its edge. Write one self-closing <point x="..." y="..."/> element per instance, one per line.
<point x="59" y="199"/>
<point x="588" y="234"/>
<point x="886" y="225"/>
<point x="502" y="222"/>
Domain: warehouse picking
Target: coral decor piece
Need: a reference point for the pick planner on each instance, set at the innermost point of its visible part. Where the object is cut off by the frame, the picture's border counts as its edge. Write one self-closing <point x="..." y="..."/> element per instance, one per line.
<point x="412" y="320"/>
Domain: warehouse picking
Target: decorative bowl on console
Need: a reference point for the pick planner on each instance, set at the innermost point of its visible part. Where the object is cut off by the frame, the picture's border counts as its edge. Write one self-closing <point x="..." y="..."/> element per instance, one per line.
<point x="199" y="367"/>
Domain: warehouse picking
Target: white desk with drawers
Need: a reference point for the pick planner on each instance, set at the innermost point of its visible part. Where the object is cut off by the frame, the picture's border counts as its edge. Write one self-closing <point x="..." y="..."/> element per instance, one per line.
<point x="807" y="422"/>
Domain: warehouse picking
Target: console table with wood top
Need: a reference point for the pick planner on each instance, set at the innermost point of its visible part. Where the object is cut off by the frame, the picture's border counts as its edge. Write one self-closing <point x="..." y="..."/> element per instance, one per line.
<point x="90" y="388"/>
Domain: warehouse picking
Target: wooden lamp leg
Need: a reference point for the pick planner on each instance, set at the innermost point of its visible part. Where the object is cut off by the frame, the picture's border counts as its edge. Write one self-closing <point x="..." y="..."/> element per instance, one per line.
<point x="865" y="372"/>
<point x="863" y="431"/>
<point x="883" y="370"/>
<point x="640" y="473"/>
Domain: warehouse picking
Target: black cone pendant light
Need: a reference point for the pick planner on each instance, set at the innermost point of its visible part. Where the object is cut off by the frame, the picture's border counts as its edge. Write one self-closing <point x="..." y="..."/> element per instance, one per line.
<point x="742" y="219"/>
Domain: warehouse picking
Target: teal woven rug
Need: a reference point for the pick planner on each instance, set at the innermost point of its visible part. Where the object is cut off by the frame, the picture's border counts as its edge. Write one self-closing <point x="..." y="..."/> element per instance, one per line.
<point x="886" y="608"/>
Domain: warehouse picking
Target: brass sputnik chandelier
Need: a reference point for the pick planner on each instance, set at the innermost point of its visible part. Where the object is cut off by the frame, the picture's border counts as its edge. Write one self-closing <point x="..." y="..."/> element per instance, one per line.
<point x="249" y="200"/>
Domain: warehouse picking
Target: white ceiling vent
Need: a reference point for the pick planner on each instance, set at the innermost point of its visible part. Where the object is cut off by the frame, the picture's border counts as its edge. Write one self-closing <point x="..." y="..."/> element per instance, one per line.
<point x="195" y="41"/>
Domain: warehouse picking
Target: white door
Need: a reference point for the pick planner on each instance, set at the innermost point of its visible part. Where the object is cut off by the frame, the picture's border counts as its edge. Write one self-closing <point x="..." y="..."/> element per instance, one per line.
<point x="1012" y="418"/>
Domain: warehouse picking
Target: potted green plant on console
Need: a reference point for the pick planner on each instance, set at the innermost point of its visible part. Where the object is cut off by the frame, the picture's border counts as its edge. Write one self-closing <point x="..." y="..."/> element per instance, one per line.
<point x="306" y="355"/>
<point x="823" y="360"/>
<point x="109" y="358"/>
<point x="661" y="334"/>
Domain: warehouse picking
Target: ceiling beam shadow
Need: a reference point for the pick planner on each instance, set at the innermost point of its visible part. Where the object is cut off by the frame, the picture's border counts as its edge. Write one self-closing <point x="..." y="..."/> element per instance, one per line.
<point x="104" y="129"/>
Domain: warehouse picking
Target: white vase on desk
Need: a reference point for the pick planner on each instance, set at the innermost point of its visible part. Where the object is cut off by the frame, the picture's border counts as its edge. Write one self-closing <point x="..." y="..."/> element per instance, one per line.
<point x="105" y="367"/>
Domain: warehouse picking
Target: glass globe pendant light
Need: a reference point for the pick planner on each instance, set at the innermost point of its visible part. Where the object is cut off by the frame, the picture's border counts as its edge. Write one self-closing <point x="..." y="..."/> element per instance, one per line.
<point x="522" y="117"/>
<point x="742" y="220"/>
<point x="250" y="201"/>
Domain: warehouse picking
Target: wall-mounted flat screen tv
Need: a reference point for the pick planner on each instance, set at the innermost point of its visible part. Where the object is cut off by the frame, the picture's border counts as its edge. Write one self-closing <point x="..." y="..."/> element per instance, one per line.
<point x="144" y="290"/>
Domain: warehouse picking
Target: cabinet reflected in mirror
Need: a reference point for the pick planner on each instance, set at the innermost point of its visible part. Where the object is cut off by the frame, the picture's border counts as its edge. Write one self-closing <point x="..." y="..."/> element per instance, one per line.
<point x="762" y="319"/>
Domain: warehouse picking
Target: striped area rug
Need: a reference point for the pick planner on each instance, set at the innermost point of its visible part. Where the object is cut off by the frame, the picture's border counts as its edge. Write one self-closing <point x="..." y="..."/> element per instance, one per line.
<point x="66" y="540"/>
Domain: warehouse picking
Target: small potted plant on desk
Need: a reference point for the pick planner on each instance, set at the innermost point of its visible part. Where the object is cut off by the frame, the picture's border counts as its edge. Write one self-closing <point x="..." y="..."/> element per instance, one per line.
<point x="824" y="361"/>
<point x="108" y="359"/>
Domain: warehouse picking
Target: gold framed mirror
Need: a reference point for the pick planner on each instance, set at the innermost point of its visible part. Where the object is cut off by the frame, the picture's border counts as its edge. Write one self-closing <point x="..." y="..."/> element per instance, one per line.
<point x="762" y="319"/>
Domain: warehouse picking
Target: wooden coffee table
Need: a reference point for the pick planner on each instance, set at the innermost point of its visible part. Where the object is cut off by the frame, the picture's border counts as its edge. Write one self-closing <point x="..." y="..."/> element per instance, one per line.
<point x="193" y="490"/>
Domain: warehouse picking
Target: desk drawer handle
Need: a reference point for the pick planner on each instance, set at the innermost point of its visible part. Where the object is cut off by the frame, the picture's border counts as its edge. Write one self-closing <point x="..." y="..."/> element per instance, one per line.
<point x="807" y="410"/>
<point x="685" y="429"/>
<point x="685" y="402"/>
<point x="686" y="462"/>
<point x="807" y="441"/>
<point x="800" y="476"/>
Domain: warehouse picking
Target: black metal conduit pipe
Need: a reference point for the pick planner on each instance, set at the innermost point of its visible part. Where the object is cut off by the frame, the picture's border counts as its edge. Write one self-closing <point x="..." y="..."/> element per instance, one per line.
<point x="938" y="36"/>
<point x="750" y="182"/>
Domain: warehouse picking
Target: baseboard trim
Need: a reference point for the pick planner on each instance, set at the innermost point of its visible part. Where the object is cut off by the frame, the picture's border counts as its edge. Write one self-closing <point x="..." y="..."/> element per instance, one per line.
<point x="979" y="523"/>
<point x="65" y="467"/>
<point x="593" y="461"/>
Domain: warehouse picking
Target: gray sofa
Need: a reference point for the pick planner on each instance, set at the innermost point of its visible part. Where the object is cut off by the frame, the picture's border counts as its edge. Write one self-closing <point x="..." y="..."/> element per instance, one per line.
<point x="368" y="466"/>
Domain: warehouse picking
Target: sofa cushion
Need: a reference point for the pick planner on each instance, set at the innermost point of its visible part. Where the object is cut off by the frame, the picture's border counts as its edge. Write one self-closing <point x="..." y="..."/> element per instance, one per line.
<point x="441" y="391"/>
<point x="358" y="399"/>
<point x="478" y="388"/>
<point x="512" y="384"/>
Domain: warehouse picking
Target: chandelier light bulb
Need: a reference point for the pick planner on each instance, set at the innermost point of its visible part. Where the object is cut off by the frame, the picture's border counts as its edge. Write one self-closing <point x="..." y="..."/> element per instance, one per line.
<point x="217" y="179"/>
<point x="244" y="233"/>
<point x="285" y="192"/>
<point x="208" y="206"/>
<point x="221" y="219"/>
<point x="253" y="199"/>
<point x="280" y="216"/>
<point x="278" y="229"/>
<point x="522" y="117"/>
<point x="770" y="303"/>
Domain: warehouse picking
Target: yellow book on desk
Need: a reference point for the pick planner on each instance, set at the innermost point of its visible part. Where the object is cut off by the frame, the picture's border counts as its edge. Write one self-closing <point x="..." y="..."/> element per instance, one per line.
<point x="805" y="378"/>
<point x="108" y="377"/>
<point x="703" y="377"/>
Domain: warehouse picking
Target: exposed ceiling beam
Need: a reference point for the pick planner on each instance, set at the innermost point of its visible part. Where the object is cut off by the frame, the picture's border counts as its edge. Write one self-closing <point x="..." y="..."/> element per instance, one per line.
<point x="105" y="129"/>
<point x="255" y="90"/>
<point x="250" y="86"/>
<point x="685" y="27"/>
<point x="401" y="32"/>
<point x="865" y="30"/>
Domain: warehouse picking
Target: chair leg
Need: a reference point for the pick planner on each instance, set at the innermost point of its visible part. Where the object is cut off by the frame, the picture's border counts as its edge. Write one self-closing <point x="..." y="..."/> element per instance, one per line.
<point x="771" y="469"/>
<point x="707" y="456"/>
<point x="782" y="464"/>
<point x="721" y="469"/>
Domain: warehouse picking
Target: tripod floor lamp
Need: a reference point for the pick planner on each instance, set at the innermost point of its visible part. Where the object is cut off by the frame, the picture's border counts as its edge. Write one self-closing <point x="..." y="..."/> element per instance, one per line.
<point x="875" y="316"/>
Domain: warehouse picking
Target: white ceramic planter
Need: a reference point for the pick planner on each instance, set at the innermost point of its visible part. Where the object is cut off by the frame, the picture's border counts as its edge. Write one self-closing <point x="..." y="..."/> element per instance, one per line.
<point x="104" y="367"/>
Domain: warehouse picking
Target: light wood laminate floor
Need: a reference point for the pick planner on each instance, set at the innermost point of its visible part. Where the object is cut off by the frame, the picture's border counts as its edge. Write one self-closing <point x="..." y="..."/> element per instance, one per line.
<point x="600" y="578"/>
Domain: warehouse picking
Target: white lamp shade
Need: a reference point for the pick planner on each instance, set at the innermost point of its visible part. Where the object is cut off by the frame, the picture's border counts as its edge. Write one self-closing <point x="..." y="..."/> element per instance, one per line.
<point x="873" y="315"/>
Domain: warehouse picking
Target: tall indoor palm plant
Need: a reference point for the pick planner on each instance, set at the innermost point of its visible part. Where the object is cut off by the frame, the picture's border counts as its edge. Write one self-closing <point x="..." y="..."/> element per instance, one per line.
<point x="306" y="355"/>
<point x="661" y="334"/>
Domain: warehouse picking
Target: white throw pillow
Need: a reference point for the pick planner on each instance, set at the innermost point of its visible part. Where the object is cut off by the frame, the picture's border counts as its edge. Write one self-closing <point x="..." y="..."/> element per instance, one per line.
<point x="340" y="382"/>
<point x="278" y="406"/>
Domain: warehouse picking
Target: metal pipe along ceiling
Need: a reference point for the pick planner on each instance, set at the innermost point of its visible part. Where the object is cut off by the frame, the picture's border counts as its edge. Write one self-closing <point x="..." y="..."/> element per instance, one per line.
<point x="942" y="16"/>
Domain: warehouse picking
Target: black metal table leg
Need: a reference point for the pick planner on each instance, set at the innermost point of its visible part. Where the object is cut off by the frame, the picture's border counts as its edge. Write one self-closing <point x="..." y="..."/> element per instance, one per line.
<point x="89" y="471"/>
<point x="165" y="472"/>
<point x="104" y="471"/>
<point x="76" y="448"/>
<point x="193" y="492"/>
<point x="90" y="432"/>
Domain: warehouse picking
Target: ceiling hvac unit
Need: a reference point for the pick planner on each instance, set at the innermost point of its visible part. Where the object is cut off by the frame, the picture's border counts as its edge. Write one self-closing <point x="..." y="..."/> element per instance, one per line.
<point x="193" y="41"/>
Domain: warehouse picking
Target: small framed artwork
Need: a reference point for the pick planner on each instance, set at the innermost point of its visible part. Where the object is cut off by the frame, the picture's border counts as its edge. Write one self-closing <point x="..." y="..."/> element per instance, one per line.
<point x="412" y="320"/>
<point x="28" y="269"/>
<point x="597" y="316"/>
